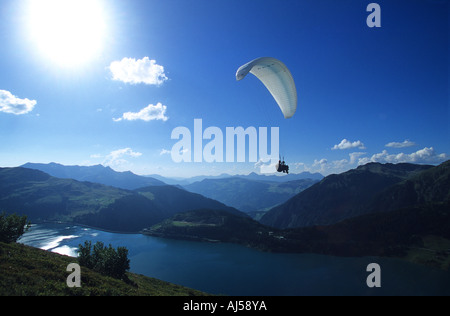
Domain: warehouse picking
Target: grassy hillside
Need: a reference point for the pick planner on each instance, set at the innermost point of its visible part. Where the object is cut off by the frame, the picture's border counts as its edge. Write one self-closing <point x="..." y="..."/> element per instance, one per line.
<point x="28" y="271"/>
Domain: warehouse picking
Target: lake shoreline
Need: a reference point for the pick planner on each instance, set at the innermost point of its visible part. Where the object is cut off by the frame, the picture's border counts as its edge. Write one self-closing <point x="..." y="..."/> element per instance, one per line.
<point x="238" y="270"/>
<point x="431" y="258"/>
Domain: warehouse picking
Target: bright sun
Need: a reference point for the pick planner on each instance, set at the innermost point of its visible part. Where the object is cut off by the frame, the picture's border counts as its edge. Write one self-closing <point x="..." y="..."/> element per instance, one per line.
<point x="69" y="32"/>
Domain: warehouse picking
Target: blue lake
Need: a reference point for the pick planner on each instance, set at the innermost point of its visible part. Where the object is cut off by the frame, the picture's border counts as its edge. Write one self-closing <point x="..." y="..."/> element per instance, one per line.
<point x="236" y="270"/>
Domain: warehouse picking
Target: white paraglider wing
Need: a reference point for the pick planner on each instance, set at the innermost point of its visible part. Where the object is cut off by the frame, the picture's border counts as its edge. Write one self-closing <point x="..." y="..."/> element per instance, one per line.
<point x="278" y="80"/>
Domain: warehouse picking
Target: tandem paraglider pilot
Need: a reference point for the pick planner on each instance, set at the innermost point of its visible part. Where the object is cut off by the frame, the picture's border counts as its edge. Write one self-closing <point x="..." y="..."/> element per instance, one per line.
<point x="282" y="167"/>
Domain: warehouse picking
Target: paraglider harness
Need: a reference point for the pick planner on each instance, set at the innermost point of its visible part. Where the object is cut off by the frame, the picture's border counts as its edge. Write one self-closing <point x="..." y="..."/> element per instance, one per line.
<point x="282" y="166"/>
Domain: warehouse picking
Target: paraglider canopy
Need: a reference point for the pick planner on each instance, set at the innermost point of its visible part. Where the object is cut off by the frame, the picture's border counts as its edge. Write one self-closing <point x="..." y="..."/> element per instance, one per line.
<point x="278" y="80"/>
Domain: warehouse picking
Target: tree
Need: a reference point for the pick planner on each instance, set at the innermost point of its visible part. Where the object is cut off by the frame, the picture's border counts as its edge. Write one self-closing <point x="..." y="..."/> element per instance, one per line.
<point x="12" y="227"/>
<point x="84" y="254"/>
<point x="105" y="260"/>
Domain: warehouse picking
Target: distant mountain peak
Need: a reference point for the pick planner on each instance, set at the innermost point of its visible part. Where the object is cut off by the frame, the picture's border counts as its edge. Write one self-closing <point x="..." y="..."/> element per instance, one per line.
<point x="97" y="174"/>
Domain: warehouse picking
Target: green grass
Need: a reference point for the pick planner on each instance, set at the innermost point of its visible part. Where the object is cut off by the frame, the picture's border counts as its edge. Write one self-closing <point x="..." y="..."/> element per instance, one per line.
<point x="148" y="195"/>
<point x="434" y="251"/>
<point x="28" y="271"/>
<point x="191" y="224"/>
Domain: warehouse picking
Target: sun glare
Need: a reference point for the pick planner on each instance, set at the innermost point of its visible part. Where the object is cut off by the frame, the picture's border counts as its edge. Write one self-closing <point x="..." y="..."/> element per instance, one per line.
<point x="69" y="32"/>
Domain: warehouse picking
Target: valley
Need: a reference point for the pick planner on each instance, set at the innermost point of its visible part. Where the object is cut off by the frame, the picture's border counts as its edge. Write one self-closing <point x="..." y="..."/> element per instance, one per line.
<point x="373" y="210"/>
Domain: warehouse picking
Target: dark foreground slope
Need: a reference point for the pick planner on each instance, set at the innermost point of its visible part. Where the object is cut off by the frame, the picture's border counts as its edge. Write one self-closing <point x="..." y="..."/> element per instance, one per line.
<point x="28" y="271"/>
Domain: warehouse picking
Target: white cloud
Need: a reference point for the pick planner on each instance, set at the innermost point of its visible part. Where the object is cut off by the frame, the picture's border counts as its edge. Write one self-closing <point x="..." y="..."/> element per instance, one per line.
<point x="322" y="166"/>
<point x="130" y="70"/>
<point x="266" y="166"/>
<point x="298" y="165"/>
<point x="326" y="167"/>
<point x="354" y="157"/>
<point x="425" y="155"/>
<point x="320" y="162"/>
<point x="149" y="113"/>
<point x="346" y="144"/>
<point x="13" y="105"/>
<point x="116" y="157"/>
<point x="165" y="152"/>
<point x="406" y="143"/>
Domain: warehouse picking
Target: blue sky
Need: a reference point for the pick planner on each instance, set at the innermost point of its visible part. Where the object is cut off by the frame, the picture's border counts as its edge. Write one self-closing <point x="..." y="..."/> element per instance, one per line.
<point x="111" y="90"/>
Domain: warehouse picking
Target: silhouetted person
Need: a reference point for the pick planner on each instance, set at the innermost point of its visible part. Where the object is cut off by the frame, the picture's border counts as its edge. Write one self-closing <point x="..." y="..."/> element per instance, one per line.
<point x="282" y="167"/>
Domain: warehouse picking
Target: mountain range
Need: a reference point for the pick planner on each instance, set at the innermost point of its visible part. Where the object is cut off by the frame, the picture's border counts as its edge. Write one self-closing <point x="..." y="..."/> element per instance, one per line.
<point x="128" y="180"/>
<point x="252" y="176"/>
<point x="42" y="197"/>
<point x="247" y="193"/>
<point x="97" y="174"/>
